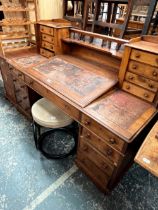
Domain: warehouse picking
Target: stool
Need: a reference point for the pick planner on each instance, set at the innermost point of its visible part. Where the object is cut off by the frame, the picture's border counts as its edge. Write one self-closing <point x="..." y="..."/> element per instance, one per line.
<point x="46" y="114"/>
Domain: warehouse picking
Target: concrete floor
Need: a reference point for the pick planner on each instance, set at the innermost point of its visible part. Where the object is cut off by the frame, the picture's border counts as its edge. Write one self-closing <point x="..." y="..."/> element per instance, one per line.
<point x="30" y="181"/>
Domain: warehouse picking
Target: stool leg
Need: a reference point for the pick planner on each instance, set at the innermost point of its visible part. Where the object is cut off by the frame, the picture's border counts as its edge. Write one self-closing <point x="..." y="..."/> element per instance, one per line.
<point x="36" y="133"/>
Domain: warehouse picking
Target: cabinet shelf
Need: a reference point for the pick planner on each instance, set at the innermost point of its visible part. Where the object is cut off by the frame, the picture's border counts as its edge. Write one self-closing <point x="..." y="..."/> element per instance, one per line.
<point x="14" y="9"/>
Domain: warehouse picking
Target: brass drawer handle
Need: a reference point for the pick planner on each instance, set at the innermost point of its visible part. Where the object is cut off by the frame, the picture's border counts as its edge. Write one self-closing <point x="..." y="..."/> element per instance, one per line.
<point x="154" y="73"/>
<point x="137" y="55"/>
<point x="146" y="95"/>
<point x="87" y="122"/>
<point x="109" y="152"/>
<point x="134" y="67"/>
<point x="112" y="141"/>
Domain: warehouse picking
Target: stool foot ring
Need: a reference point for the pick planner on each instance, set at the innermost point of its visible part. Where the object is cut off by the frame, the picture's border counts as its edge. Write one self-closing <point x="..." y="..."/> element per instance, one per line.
<point x="57" y="143"/>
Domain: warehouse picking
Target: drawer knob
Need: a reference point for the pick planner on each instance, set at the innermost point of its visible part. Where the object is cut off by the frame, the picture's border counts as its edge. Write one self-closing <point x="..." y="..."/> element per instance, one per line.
<point x="137" y="55"/>
<point x="146" y="95"/>
<point x="44" y="37"/>
<point x="87" y="122"/>
<point x="25" y="97"/>
<point x="112" y="141"/>
<point x="52" y="40"/>
<point x="19" y="101"/>
<point x="88" y="136"/>
<point x="131" y="77"/>
<point x="154" y="73"/>
<point x="17" y="91"/>
<point x="156" y="136"/>
<point x="85" y="148"/>
<point x="31" y="83"/>
<point x="14" y="80"/>
<point x="127" y="87"/>
<point x="150" y="86"/>
<point x="134" y="66"/>
<point x="109" y="152"/>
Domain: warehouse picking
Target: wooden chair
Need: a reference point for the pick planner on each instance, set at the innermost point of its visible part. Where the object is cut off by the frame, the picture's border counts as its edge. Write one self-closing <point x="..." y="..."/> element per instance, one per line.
<point x="110" y="23"/>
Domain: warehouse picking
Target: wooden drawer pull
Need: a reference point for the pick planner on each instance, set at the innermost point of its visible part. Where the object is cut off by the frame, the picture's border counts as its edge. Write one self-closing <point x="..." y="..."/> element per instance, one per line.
<point x="146" y="95"/>
<point x="156" y="136"/>
<point x="88" y="136"/>
<point x="85" y="148"/>
<point x="87" y="123"/>
<point x="44" y="37"/>
<point x="131" y="77"/>
<point x="154" y="73"/>
<point x="127" y="87"/>
<point x="25" y="97"/>
<point x="112" y="141"/>
<point x="134" y="66"/>
<point x="150" y="86"/>
<point x="109" y="152"/>
<point x="137" y="55"/>
<point x="14" y="80"/>
<point x="19" y="101"/>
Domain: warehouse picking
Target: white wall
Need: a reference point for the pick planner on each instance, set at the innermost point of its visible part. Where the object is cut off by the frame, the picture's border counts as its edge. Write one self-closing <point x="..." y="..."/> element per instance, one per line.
<point x="50" y="9"/>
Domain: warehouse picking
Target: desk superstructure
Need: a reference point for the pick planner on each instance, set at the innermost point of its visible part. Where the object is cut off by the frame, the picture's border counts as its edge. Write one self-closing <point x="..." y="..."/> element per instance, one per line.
<point x="83" y="81"/>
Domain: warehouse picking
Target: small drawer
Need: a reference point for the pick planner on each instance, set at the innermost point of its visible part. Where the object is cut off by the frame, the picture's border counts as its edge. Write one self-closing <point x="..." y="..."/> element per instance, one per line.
<point x="47" y="45"/>
<point x="142" y="81"/>
<point x="97" y="175"/>
<point x="47" y="30"/>
<point x="96" y="157"/>
<point x="17" y="74"/>
<point x="46" y="53"/>
<point x="138" y="91"/>
<point x="63" y="105"/>
<point x="102" y="132"/>
<point x="48" y="38"/>
<point x="144" y="57"/>
<point x="101" y="145"/>
<point x="143" y="70"/>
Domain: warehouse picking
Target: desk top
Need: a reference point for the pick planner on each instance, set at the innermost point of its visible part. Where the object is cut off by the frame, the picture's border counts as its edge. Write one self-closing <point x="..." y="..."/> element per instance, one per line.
<point x="121" y="112"/>
<point x="78" y="80"/>
<point x="147" y="155"/>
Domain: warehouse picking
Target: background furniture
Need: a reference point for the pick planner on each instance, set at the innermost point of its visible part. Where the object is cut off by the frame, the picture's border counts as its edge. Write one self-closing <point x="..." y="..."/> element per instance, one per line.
<point x="60" y="141"/>
<point x="148" y="152"/>
<point x="110" y="24"/>
<point x="49" y="34"/>
<point x="17" y="25"/>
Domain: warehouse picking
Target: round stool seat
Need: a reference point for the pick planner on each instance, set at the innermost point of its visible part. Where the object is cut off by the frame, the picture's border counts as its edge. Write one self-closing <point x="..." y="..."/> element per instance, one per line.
<point x="46" y="114"/>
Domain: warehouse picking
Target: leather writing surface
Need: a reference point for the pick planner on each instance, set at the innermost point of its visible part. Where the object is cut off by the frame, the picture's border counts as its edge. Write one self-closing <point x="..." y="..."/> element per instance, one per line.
<point x="120" y="111"/>
<point x="28" y="61"/>
<point x="78" y="84"/>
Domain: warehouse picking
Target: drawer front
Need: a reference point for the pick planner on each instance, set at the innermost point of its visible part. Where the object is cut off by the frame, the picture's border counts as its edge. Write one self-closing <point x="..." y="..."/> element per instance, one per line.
<point x="46" y="53"/>
<point x="48" y="38"/>
<point x="47" y="30"/>
<point x="144" y="57"/>
<point x="97" y="175"/>
<point x="100" y="131"/>
<point x="47" y="45"/>
<point x="144" y="70"/>
<point x="138" y="91"/>
<point x="142" y="81"/>
<point x="16" y="74"/>
<point x="43" y="91"/>
<point x="100" y="145"/>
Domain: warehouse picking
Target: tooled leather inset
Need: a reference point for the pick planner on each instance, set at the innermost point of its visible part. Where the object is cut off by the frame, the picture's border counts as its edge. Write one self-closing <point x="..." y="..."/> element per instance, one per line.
<point x="120" y="108"/>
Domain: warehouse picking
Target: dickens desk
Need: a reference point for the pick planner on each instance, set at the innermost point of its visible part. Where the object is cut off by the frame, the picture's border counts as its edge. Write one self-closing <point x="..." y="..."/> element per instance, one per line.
<point x="83" y="82"/>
